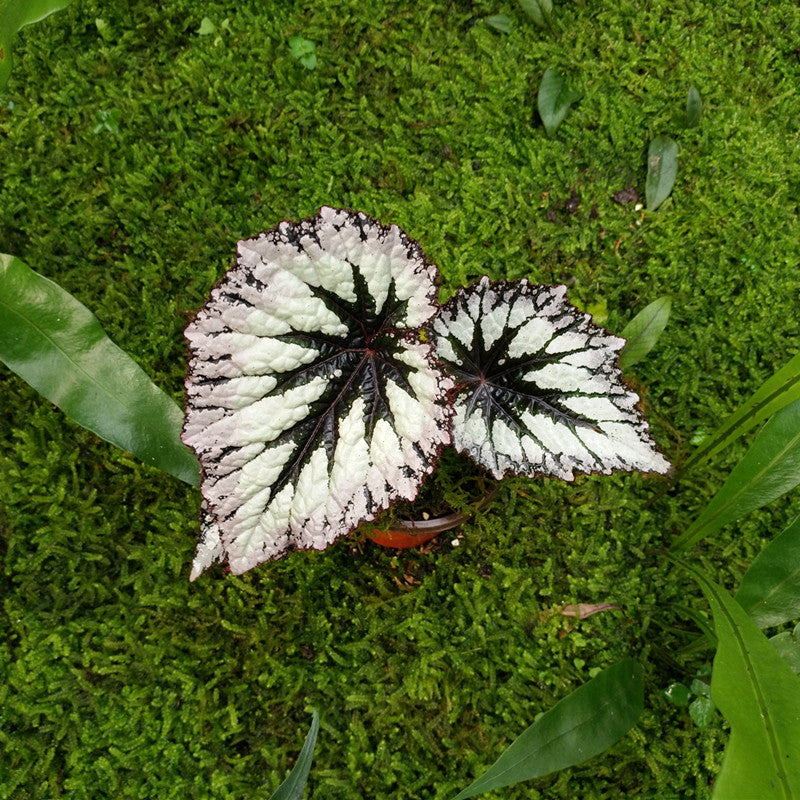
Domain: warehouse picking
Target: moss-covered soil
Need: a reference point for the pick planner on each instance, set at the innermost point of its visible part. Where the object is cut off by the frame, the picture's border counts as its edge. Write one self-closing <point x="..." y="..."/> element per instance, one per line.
<point x="118" y="678"/>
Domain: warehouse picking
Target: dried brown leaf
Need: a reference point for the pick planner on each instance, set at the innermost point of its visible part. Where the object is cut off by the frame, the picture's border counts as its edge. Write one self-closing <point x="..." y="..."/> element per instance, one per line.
<point x="584" y="610"/>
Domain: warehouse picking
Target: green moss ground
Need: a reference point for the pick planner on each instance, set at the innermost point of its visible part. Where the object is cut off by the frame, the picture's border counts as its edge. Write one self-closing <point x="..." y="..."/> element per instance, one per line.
<point x="122" y="680"/>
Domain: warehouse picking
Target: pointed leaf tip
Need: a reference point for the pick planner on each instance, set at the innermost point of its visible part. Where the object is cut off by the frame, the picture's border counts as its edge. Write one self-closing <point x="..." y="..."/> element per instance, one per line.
<point x="294" y="785"/>
<point x="643" y="331"/>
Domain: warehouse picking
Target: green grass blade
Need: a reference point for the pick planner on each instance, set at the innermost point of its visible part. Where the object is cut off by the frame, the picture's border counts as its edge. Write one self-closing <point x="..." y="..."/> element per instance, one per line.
<point x="15" y="14"/>
<point x="770" y="468"/>
<point x="57" y="345"/>
<point x="292" y="788"/>
<point x="643" y="331"/>
<point x="662" y="168"/>
<point x="776" y="392"/>
<point x="759" y="695"/>
<point x="770" y="589"/>
<point x="579" y="727"/>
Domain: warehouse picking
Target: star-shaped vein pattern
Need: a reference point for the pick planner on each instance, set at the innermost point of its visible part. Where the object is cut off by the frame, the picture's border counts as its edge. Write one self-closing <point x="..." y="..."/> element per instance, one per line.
<point x="312" y="401"/>
<point x="539" y="388"/>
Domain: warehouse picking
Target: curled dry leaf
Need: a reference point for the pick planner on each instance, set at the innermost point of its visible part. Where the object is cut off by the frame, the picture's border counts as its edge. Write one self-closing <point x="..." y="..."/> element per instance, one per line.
<point x="312" y="401"/>
<point x="539" y="389"/>
<point x="584" y="610"/>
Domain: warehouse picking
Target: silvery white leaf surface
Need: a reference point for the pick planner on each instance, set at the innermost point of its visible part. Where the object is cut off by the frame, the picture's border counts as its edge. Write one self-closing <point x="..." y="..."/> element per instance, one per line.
<point x="539" y="388"/>
<point x="313" y="403"/>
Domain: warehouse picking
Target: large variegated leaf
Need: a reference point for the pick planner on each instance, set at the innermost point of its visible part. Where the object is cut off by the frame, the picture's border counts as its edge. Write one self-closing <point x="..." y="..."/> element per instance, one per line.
<point x="312" y="401"/>
<point x="539" y="387"/>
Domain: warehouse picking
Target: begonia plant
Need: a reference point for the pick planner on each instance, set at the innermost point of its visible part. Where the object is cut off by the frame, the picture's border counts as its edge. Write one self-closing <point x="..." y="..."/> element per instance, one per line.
<point x="324" y="380"/>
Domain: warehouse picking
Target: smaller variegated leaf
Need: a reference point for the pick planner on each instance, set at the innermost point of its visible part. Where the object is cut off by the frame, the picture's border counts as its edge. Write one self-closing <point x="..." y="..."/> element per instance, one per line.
<point x="539" y="389"/>
<point x="312" y="401"/>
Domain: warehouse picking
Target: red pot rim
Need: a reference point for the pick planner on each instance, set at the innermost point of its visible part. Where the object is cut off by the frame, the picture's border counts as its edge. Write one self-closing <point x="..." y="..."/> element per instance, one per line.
<point x="410" y="533"/>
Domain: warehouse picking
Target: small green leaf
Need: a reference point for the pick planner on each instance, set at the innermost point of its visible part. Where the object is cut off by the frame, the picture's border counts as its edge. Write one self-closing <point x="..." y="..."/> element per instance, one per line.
<point x="643" y="331"/>
<point x="770" y="589"/>
<point x="702" y="711"/>
<point x="16" y="14"/>
<point x="304" y="51"/>
<point x="700" y="688"/>
<point x="787" y="643"/>
<point x="775" y="393"/>
<point x="500" y="22"/>
<point x="299" y="47"/>
<point x="104" y="29"/>
<point x="759" y="695"/>
<point x="662" y="167"/>
<point x="109" y="121"/>
<point x="292" y="788"/>
<point x="207" y="27"/>
<point x="540" y="11"/>
<point x="57" y="345"/>
<point x="770" y="468"/>
<point x="579" y="727"/>
<point x="554" y="100"/>
<point x="694" y="107"/>
<point x="677" y="694"/>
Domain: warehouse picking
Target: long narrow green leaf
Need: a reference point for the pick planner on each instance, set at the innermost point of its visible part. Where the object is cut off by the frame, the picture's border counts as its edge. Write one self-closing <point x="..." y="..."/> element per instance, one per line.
<point x="57" y="345"/>
<point x="769" y="468"/>
<point x="662" y="168"/>
<point x="770" y="589"/>
<point x="292" y="788"/>
<point x="15" y="14"/>
<point x="643" y="331"/>
<point x="776" y="393"/>
<point x="759" y="695"/>
<point x="577" y="728"/>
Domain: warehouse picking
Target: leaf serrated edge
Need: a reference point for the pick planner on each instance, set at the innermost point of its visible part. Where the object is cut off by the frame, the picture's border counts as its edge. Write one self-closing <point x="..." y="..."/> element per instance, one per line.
<point x="436" y="280"/>
<point x="627" y="384"/>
